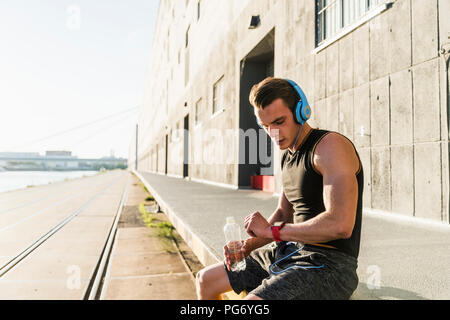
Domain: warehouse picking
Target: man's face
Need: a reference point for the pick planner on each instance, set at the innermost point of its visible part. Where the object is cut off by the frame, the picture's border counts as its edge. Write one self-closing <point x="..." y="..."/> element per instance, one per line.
<point x="278" y="121"/>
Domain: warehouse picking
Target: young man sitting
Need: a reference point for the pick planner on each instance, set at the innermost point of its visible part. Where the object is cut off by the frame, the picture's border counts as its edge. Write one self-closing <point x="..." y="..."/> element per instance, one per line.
<point x="316" y="227"/>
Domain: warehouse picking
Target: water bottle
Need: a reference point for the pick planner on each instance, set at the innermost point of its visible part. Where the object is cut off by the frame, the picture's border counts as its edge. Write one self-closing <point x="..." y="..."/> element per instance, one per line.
<point x="234" y="244"/>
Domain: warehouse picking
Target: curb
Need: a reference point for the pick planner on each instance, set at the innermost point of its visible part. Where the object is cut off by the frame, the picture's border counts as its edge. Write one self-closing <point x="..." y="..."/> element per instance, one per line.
<point x="204" y="253"/>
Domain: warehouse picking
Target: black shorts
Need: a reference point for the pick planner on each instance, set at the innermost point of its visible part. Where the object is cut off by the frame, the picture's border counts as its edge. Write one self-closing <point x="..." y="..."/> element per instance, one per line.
<point x="312" y="273"/>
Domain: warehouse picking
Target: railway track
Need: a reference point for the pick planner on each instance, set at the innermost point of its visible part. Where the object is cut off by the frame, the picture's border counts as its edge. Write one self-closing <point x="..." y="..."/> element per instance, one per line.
<point x="93" y="289"/>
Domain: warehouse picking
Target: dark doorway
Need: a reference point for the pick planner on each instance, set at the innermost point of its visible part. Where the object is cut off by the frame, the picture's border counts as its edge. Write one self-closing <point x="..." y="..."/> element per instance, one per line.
<point x="186" y="147"/>
<point x="255" y="147"/>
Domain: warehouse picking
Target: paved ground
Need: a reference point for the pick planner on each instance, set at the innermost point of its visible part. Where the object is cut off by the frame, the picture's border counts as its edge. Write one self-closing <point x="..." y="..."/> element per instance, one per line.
<point x="60" y="268"/>
<point x="399" y="259"/>
<point x="143" y="265"/>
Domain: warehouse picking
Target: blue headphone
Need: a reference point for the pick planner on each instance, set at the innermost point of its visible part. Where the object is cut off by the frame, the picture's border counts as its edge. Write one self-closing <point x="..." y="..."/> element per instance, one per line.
<point x="302" y="112"/>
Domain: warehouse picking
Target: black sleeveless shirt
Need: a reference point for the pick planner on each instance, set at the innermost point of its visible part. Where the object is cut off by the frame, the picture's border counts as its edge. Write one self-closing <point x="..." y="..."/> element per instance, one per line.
<point x="303" y="187"/>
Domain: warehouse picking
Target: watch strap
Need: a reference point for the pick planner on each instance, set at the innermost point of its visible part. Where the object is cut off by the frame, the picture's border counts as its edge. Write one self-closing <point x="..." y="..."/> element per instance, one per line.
<point x="276" y="231"/>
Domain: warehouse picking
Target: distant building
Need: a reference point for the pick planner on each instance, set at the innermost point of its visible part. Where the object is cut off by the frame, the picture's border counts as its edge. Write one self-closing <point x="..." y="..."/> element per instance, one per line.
<point x="58" y="153"/>
<point x="19" y="154"/>
<point x="56" y="160"/>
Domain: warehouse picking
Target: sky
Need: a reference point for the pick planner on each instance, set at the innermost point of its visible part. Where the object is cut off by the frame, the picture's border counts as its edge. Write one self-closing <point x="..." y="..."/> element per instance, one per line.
<point x="72" y="74"/>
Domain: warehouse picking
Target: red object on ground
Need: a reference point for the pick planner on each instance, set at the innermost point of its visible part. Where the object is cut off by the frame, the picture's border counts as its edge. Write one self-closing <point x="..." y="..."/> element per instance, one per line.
<point x="265" y="183"/>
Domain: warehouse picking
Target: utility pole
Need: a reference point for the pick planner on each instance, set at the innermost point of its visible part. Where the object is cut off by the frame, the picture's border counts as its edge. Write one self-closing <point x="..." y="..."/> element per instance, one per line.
<point x="136" y="161"/>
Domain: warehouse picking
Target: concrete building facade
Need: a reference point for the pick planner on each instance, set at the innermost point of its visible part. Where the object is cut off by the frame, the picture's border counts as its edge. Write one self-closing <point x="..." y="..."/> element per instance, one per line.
<point x="373" y="70"/>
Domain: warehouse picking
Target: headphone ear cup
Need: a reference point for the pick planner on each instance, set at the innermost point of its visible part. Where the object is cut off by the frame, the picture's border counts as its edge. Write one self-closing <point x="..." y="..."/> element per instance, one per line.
<point x="306" y="113"/>
<point x="302" y="111"/>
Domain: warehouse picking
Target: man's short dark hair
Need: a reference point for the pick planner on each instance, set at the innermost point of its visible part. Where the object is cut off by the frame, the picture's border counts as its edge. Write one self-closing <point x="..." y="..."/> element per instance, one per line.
<point x="270" y="89"/>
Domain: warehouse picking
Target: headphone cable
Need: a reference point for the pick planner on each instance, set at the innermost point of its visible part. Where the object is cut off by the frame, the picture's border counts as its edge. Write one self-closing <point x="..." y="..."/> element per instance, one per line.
<point x="295" y="142"/>
<point x="293" y="267"/>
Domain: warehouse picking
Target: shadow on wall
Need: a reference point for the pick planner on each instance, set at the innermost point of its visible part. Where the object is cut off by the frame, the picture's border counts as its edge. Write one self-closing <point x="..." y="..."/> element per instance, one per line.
<point x="384" y="293"/>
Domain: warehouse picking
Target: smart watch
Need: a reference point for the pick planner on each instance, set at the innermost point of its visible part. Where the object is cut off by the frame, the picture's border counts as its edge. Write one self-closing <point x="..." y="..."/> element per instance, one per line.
<point x="276" y="227"/>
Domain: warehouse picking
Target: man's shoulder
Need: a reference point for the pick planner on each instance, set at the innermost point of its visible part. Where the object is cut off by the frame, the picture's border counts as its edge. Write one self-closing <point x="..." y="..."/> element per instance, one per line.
<point x="334" y="147"/>
<point x="332" y="140"/>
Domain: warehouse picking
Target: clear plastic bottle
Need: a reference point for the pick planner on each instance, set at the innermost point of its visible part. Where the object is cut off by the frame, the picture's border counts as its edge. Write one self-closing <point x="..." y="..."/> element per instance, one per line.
<point x="234" y="244"/>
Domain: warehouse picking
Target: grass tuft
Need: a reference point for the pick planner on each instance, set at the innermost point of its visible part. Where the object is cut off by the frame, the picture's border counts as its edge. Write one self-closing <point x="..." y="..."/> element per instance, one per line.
<point x="164" y="229"/>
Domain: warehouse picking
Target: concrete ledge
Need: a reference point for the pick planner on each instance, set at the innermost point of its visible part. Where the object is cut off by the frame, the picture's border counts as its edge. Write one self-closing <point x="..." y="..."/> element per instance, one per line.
<point x="200" y="249"/>
<point x="407" y="220"/>
<point x="400" y="257"/>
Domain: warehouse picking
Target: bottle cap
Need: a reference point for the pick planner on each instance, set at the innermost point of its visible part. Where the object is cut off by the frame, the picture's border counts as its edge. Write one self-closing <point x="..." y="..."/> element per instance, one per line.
<point x="230" y="220"/>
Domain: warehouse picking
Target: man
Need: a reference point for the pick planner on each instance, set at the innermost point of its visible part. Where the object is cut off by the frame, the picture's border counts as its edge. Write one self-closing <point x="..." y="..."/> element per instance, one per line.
<point x="316" y="246"/>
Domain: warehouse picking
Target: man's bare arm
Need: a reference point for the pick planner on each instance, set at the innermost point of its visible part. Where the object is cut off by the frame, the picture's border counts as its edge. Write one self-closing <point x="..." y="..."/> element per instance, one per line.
<point x="338" y="163"/>
<point x="284" y="212"/>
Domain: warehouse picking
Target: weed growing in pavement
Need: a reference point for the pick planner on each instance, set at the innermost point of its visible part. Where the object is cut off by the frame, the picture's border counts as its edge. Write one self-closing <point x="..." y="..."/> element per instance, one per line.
<point x="164" y="229"/>
<point x="147" y="216"/>
<point x="143" y="186"/>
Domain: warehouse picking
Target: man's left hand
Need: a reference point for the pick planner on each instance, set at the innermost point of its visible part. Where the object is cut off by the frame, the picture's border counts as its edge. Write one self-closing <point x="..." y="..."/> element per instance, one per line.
<point x="257" y="226"/>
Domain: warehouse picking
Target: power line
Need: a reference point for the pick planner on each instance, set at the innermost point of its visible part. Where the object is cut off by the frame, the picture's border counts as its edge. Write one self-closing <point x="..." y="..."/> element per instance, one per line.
<point x="77" y="127"/>
<point x="102" y="130"/>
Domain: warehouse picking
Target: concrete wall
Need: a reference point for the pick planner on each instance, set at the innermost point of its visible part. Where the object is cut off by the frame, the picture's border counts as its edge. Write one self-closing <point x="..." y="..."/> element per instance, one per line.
<point x="385" y="77"/>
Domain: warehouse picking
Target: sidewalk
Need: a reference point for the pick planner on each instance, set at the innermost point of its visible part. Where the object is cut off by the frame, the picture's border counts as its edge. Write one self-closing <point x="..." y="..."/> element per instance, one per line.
<point x="144" y="265"/>
<point x="399" y="259"/>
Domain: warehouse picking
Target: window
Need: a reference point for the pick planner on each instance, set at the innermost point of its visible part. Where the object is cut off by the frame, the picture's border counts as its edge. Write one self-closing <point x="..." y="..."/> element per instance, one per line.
<point x="334" y="15"/>
<point x="187" y="36"/>
<point x="198" y="111"/>
<point x="218" y="94"/>
<point x="198" y="9"/>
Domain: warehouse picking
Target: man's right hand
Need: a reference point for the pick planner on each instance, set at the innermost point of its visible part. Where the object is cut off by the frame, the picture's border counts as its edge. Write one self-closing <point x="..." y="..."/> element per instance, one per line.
<point x="248" y="246"/>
